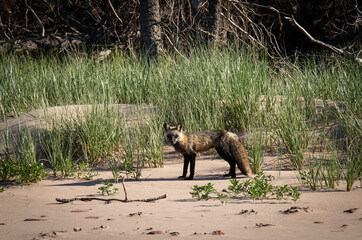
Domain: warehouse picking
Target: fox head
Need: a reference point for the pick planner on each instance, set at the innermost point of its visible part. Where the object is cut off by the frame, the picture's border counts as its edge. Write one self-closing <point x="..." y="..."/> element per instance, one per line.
<point x="173" y="134"/>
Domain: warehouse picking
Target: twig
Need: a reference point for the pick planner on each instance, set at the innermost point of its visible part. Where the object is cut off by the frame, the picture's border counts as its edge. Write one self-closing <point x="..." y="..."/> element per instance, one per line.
<point x="2" y="26"/>
<point x="257" y="5"/>
<point x="86" y="199"/>
<point x="114" y="11"/>
<point x="36" y="16"/>
<point x="124" y="189"/>
<point x="331" y="47"/>
<point x="246" y="33"/>
<point x="173" y="46"/>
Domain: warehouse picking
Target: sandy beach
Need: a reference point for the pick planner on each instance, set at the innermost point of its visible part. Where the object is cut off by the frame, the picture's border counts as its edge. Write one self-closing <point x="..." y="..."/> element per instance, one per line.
<point x="32" y="212"/>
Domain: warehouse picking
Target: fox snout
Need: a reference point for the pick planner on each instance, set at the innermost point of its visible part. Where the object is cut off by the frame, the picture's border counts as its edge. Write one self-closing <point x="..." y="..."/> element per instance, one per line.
<point x="172" y="138"/>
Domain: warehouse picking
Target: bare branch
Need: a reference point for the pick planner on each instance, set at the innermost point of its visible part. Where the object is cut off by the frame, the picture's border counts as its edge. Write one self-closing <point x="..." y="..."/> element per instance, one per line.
<point x="36" y="16"/>
<point x="246" y="33"/>
<point x="173" y="46"/>
<point x="114" y="11"/>
<point x="331" y="47"/>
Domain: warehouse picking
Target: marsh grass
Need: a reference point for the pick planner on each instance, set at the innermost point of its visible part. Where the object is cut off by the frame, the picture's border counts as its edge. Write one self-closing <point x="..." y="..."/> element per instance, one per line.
<point x="353" y="166"/>
<point x="333" y="171"/>
<point x="313" y="175"/>
<point x="92" y="136"/>
<point x="291" y="128"/>
<point x="22" y="165"/>
<point x="212" y="89"/>
<point x="256" y="146"/>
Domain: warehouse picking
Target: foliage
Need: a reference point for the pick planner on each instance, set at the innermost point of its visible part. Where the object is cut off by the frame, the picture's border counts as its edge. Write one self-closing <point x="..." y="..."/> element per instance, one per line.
<point x="108" y="189"/>
<point x="214" y="88"/>
<point x="290" y="126"/>
<point x="258" y="188"/>
<point x="7" y="170"/>
<point x="328" y="174"/>
<point x="256" y="151"/>
<point x="101" y="134"/>
<point x="83" y="171"/>
<point x="312" y="175"/>
<point x="203" y="192"/>
<point x="22" y="166"/>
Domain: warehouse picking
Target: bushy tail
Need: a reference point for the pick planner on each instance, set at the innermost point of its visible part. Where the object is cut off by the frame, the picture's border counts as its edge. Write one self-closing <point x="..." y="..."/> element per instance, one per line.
<point x="238" y="151"/>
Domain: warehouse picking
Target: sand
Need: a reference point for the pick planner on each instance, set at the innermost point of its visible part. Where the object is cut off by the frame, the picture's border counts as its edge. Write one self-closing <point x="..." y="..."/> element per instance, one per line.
<point x="31" y="211"/>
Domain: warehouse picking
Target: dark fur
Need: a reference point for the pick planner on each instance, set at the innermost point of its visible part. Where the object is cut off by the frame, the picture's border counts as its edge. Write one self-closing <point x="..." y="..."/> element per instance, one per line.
<point x="227" y="145"/>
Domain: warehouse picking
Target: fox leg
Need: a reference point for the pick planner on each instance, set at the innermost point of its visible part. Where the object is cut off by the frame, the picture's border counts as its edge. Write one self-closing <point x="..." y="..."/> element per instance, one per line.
<point x="232" y="173"/>
<point x="192" y="159"/>
<point x="231" y="162"/>
<point x="186" y="165"/>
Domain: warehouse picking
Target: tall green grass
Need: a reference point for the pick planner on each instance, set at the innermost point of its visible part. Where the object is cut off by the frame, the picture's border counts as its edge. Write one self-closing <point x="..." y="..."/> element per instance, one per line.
<point x="22" y="165"/>
<point x="231" y="88"/>
<point x="94" y="136"/>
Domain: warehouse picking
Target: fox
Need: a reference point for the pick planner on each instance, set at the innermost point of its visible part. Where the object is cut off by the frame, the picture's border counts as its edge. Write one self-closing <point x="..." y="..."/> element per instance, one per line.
<point x="227" y="144"/>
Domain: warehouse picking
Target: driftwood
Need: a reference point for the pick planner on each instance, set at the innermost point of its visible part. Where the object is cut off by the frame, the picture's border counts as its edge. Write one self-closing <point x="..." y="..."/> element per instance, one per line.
<point x="108" y="200"/>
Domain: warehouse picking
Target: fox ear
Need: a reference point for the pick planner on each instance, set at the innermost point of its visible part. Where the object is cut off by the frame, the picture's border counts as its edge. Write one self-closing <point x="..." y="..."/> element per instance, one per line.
<point x="179" y="127"/>
<point x="166" y="127"/>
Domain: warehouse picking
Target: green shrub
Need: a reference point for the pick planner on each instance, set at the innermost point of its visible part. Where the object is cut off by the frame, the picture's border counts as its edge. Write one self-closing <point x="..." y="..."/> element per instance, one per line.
<point x="258" y="188"/>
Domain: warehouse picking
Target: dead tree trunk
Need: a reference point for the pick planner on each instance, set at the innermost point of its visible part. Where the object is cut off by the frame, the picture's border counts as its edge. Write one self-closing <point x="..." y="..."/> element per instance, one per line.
<point x="150" y="27"/>
<point x="214" y="19"/>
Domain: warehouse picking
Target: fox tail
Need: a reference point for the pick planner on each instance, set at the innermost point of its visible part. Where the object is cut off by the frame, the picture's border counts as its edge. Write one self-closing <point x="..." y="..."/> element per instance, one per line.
<point x="239" y="153"/>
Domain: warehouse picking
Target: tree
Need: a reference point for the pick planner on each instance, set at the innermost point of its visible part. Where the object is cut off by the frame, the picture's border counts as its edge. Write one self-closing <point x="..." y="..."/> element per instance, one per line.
<point x="150" y="27"/>
<point x="214" y="19"/>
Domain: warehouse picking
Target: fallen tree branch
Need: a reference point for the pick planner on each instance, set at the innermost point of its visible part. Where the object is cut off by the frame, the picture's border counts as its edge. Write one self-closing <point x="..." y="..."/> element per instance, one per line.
<point x="331" y="47"/>
<point x="108" y="200"/>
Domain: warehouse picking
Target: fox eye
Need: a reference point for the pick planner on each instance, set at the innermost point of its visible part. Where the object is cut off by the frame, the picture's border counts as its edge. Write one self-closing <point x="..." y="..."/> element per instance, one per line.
<point x="176" y="136"/>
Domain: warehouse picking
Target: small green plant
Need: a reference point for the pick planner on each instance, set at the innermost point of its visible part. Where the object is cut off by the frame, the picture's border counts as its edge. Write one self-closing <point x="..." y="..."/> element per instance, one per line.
<point x="258" y="188"/>
<point x="7" y="170"/>
<point x="108" y="189"/>
<point x="203" y="192"/>
<point x="1" y="189"/>
<point x="280" y="192"/>
<point x="22" y="166"/>
<point x="293" y="193"/>
<point x="285" y="192"/>
<point x="223" y="197"/>
<point x="236" y="188"/>
<point x="83" y="171"/>
<point x="29" y="171"/>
